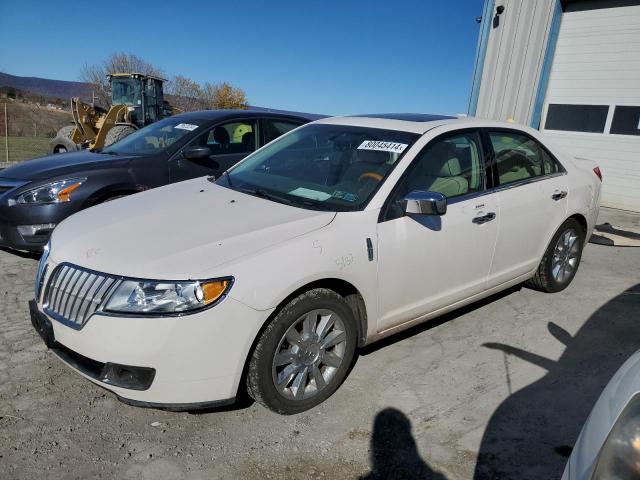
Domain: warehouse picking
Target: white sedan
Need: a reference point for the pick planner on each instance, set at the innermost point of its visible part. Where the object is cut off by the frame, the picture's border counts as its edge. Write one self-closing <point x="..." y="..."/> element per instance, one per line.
<point x="340" y="233"/>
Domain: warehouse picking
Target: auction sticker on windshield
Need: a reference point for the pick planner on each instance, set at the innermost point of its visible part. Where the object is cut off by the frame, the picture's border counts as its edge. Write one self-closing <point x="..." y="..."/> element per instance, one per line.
<point x="186" y="126"/>
<point x="392" y="147"/>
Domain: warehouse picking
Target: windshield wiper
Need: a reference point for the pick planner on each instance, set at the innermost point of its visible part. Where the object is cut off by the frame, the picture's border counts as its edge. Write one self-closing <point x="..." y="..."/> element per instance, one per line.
<point x="298" y="202"/>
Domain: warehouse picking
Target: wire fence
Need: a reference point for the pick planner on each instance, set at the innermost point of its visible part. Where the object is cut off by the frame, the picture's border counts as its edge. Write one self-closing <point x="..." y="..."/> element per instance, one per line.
<point x="26" y="129"/>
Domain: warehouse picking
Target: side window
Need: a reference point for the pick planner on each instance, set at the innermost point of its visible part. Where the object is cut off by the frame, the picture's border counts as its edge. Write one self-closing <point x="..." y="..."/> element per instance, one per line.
<point x="274" y="128"/>
<point x="452" y="166"/>
<point x="233" y="137"/>
<point x="518" y="157"/>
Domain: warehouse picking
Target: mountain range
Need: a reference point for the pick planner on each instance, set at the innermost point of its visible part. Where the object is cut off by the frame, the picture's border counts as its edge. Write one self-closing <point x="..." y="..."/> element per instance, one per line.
<point x="47" y="87"/>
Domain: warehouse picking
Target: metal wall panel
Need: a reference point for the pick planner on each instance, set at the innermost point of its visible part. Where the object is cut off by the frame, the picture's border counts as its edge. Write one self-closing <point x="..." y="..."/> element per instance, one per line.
<point x="514" y="59"/>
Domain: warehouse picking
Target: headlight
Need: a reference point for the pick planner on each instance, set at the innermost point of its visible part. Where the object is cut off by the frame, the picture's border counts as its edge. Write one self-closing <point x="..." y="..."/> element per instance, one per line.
<point x="150" y="297"/>
<point x="620" y="454"/>
<point x="54" y="192"/>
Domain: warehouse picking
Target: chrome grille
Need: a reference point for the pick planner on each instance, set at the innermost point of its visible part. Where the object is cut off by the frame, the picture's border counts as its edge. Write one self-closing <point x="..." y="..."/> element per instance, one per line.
<point x="74" y="294"/>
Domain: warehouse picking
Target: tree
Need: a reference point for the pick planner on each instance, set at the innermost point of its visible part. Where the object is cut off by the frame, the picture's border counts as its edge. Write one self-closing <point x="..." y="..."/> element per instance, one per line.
<point x="223" y="96"/>
<point x="187" y="94"/>
<point x="121" y="62"/>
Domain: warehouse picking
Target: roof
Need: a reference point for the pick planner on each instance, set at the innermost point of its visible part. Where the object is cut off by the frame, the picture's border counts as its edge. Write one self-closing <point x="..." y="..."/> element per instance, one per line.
<point x="249" y="113"/>
<point x="409" y="117"/>
<point x="136" y="75"/>
<point x="407" y="122"/>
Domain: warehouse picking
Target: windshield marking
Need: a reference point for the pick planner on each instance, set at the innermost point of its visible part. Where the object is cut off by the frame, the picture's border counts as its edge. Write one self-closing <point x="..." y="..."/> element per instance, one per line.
<point x="186" y="126"/>
<point x="310" y="194"/>
<point x="392" y="147"/>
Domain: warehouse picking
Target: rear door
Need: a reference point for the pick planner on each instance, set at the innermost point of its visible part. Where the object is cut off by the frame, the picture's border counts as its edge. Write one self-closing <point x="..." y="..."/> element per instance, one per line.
<point x="532" y="191"/>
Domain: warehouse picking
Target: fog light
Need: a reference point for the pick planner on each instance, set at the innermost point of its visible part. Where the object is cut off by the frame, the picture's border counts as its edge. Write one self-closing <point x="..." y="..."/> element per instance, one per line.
<point x="34" y="230"/>
<point x="125" y="376"/>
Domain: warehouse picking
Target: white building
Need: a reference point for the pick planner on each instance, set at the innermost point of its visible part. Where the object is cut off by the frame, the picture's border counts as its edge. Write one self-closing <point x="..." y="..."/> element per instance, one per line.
<point x="572" y="69"/>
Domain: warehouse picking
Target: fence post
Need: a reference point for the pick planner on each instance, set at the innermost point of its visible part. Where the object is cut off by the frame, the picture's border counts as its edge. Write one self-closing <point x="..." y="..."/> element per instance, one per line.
<point x="6" y="132"/>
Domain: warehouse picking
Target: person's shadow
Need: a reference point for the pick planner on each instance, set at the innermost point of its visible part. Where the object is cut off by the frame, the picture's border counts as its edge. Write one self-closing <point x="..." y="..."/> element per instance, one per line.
<point x="531" y="434"/>
<point x="394" y="454"/>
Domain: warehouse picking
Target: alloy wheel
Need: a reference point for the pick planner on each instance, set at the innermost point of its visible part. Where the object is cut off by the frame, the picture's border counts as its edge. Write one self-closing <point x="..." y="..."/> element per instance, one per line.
<point x="565" y="255"/>
<point x="309" y="354"/>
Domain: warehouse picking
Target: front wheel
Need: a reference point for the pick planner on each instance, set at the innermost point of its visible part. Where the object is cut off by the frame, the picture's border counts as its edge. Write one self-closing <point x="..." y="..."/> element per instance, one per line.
<point x="304" y="354"/>
<point x="561" y="259"/>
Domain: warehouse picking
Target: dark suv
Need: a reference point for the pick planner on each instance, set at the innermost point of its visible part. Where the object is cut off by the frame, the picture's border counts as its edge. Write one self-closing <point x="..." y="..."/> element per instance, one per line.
<point x="38" y="194"/>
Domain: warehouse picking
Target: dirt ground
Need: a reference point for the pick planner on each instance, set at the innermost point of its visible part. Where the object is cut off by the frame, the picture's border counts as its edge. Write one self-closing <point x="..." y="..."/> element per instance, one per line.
<point x="498" y="390"/>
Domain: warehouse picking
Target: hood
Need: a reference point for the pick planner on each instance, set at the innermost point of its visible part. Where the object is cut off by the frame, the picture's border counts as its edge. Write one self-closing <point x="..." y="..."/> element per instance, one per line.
<point x="181" y="231"/>
<point x="53" y="165"/>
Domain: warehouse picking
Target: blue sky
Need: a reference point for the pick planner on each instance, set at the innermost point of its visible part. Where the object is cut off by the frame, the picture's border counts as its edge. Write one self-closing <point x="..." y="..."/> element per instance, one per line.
<point x="332" y="56"/>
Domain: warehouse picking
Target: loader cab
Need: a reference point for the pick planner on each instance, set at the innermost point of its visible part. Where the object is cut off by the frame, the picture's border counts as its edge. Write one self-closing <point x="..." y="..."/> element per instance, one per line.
<point x="142" y="94"/>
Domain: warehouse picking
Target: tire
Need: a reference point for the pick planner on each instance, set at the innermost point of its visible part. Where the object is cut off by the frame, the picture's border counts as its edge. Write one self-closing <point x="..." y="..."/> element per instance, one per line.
<point x="311" y="365"/>
<point x="557" y="267"/>
<point x="62" y="143"/>
<point x="117" y="133"/>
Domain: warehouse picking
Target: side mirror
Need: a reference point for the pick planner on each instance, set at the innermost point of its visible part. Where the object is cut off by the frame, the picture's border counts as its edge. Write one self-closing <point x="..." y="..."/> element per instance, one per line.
<point x="196" y="153"/>
<point x="425" y="203"/>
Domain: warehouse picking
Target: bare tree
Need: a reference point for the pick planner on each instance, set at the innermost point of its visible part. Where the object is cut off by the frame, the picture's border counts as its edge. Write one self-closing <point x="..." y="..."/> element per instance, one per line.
<point x="121" y="62"/>
<point x="187" y="94"/>
<point x="223" y="96"/>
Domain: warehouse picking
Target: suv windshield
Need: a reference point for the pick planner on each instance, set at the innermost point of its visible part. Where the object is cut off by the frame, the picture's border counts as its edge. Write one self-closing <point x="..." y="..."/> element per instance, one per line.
<point x="326" y="167"/>
<point x="155" y="137"/>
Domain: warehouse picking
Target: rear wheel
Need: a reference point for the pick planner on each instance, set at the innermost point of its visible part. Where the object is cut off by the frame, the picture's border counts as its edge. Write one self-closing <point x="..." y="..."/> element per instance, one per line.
<point x="62" y="142"/>
<point x="304" y="354"/>
<point x="561" y="259"/>
<point x="117" y="133"/>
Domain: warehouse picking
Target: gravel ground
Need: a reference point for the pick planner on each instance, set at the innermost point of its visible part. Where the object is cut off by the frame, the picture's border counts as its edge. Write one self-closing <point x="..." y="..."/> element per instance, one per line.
<point x="498" y="390"/>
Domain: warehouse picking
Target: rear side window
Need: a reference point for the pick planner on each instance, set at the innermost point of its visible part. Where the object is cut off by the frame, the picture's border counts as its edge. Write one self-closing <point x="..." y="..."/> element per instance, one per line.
<point x="519" y="157"/>
<point x="576" y="118"/>
<point x="275" y="128"/>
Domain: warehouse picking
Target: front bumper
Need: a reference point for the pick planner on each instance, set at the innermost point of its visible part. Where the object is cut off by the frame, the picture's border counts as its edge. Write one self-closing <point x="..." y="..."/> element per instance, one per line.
<point x="198" y="360"/>
<point x="14" y="216"/>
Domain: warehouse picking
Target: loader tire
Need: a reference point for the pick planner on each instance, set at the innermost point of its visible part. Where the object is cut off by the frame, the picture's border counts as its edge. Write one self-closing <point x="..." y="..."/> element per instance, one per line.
<point x="62" y="143"/>
<point x="117" y="133"/>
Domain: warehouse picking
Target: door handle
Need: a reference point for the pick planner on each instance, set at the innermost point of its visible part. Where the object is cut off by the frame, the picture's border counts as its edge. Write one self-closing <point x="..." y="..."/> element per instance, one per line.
<point x="484" y="218"/>
<point x="559" y="195"/>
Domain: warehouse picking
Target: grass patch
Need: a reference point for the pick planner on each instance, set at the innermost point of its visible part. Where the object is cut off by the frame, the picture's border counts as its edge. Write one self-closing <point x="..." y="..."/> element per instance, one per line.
<point x="23" y="148"/>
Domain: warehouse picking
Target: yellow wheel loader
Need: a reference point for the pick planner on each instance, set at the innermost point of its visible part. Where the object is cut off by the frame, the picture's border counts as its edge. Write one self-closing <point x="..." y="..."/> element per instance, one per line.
<point x="136" y="101"/>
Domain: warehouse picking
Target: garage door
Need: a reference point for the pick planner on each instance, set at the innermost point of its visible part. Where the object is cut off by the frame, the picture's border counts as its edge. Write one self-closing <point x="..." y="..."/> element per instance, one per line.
<point x="592" y="107"/>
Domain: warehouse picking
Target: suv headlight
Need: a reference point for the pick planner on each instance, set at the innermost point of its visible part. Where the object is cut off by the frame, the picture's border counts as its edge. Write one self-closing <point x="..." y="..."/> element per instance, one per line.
<point x="54" y="192"/>
<point x="158" y="297"/>
<point x="620" y="454"/>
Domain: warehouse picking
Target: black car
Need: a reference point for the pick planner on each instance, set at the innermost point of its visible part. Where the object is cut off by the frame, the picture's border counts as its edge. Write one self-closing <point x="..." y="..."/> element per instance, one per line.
<point x="38" y="194"/>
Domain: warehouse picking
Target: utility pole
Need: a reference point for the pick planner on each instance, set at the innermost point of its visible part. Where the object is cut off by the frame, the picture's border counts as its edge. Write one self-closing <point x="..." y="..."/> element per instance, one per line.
<point x="6" y="133"/>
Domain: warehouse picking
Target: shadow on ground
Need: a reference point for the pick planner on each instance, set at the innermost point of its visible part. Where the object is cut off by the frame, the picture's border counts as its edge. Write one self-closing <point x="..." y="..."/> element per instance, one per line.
<point x="393" y="450"/>
<point x="531" y="433"/>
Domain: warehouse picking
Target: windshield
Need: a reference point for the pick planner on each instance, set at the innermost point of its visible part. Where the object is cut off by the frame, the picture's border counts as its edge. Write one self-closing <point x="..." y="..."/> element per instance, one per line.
<point x="125" y="91"/>
<point x="326" y="167"/>
<point x="155" y="137"/>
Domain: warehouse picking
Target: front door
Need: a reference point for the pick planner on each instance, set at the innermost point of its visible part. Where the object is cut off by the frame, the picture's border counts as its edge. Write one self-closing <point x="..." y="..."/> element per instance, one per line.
<point x="429" y="262"/>
<point x="229" y="143"/>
